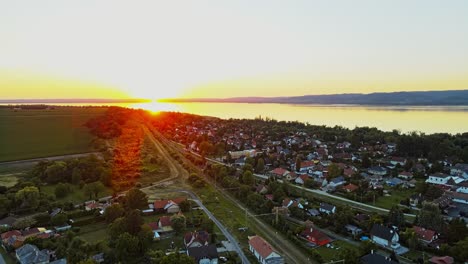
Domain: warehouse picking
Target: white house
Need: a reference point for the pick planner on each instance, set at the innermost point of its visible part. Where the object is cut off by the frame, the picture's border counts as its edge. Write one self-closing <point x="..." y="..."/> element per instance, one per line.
<point x="460" y="169"/>
<point x="338" y="181"/>
<point x="327" y="208"/>
<point x="377" y="170"/>
<point x="438" y="178"/>
<point x="462" y="187"/>
<point x="263" y="251"/>
<point x="384" y="236"/>
<point x="398" y="161"/>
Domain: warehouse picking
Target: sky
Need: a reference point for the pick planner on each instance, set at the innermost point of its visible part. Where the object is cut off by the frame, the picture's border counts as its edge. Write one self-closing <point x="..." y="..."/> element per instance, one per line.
<point x="211" y="48"/>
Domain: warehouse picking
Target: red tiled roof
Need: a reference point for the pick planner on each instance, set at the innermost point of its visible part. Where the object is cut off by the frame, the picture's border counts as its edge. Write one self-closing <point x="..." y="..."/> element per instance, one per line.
<point x="441" y="260"/>
<point x="279" y="171"/>
<point x="178" y="200"/>
<point x="263" y="248"/>
<point x="350" y="187"/>
<point x="306" y="164"/>
<point x="165" y="221"/>
<point x="160" y="204"/>
<point x="11" y="233"/>
<point x="153" y="225"/>
<point x="316" y="236"/>
<point x="424" y="234"/>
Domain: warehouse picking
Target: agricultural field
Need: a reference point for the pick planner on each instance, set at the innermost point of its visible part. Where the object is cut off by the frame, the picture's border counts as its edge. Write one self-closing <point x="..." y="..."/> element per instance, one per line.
<point x="26" y="134"/>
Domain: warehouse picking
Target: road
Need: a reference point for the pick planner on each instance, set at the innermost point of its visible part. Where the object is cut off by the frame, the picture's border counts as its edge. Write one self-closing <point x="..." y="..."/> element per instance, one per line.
<point x="318" y="192"/>
<point x="36" y="160"/>
<point x="221" y="227"/>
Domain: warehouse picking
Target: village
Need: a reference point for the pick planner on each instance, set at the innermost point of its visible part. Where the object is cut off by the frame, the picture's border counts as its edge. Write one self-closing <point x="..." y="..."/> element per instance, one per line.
<point x="362" y="178"/>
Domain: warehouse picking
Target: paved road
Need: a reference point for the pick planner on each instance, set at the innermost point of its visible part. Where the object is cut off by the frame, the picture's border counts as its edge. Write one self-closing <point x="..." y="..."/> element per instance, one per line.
<point x="319" y="192"/>
<point x="36" y="160"/>
<point x="226" y="233"/>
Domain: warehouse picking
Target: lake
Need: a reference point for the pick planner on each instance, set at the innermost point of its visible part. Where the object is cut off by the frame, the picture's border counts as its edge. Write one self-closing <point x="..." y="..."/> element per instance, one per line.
<point x="427" y="119"/>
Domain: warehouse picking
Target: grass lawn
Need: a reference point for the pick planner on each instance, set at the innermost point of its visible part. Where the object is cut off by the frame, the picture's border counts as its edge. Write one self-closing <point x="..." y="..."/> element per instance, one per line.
<point x="396" y="195"/>
<point x="76" y="194"/>
<point x="331" y="254"/>
<point x="9" y="180"/>
<point x="94" y="233"/>
<point x="29" y="134"/>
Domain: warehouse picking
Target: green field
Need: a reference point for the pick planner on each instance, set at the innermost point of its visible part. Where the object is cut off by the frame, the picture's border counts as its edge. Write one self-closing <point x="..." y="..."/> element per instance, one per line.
<point x="76" y="195"/>
<point x="26" y="134"/>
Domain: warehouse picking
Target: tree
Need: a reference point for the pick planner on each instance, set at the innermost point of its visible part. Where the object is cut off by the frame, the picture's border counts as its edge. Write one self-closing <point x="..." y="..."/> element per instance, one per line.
<point x="56" y="172"/>
<point x="366" y="162"/>
<point x="59" y="219"/>
<point x="456" y="230"/>
<point x="177" y="258"/>
<point x="133" y="221"/>
<point x="206" y="148"/>
<point x="113" y="212"/>
<point x="367" y="246"/>
<point x="333" y="171"/>
<point x="155" y="256"/>
<point x="145" y="237"/>
<point x="28" y="197"/>
<point x="77" y="250"/>
<point x="178" y="223"/>
<point x="248" y="178"/>
<point x="118" y="227"/>
<point x="62" y="190"/>
<point x="260" y="165"/>
<point x="136" y="199"/>
<point x="126" y="246"/>
<point x="396" y="216"/>
<point x="430" y="217"/>
<point x="97" y="187"/>
<point x="298" y="163"/>
<point x="185" y="206"/>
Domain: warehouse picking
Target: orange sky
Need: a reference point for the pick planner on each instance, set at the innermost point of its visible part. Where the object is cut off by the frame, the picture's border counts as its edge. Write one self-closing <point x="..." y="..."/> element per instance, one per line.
<point x="209" y="48"/>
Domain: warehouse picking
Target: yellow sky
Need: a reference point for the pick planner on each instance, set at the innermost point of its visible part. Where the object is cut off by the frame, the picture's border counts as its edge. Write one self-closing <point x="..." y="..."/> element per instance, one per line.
<point x="209" y="48"/>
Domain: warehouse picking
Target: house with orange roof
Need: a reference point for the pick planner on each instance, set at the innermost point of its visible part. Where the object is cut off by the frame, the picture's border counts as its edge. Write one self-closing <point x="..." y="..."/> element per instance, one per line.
<point x="263" y="251"/>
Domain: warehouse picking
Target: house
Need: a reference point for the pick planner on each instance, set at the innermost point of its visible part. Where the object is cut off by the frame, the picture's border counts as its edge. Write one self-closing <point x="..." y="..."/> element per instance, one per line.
<point x="313" y="212"/>
<point x="398" y="161"/>
<point x="425" y="235"/>
<point x="384" y="236"/>
<point x="196" y="239"/>
<point x="374" y="258"/>
<point x="439" y="179"/>
<point x="353" y="230"/>
<point x="168" y="206"/>
<point x="261" y="189"/>
<point x="393" y="182"/>
<point x="7" y="221"/>
<point x="462" y="187"/>
<point x="301" y="179"/>
<point x="13" y="238"/>
<point x="327" y="208"/>
<point x="28" y="254"/>
<point x="207" y="254"/>
<point x="313" y="235"/>
<point x="263" y="251"/>
<point x="405" y="175"/>
<point x="459" y="169"/>
<point x="350" y="188"/>
<point x="348" y="172"/>
<point x="460" y="197"/>
<point x="164" y="224"/>
<point x="305" y="166"/>
<point x="441" y="260"/>
<point x="416" y="199"/>
<point x="155" y="228"/>
<point x="338" y="181"/>
<point x="279" y="172"/>
<point x="377" y="170"/>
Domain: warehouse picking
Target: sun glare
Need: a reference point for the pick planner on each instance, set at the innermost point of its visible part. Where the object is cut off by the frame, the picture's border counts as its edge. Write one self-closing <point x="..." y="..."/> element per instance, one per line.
<point x="156" y="107"/>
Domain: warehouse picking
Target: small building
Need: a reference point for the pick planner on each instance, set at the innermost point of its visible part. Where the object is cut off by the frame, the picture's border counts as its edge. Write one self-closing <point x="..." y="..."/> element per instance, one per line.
<point x="425" y="235"/>
<point x="350" y="188"/>
<point x="263" y="251"/>
<point x="28" y="254"/>
<point x="327" y="208"/>
<point x="207" y="254"/>
<point x="315" y="236"/>
<point x="338" y="181"/>
<point x="438" y="178"/>
<point x="462" y="187"/>
<point x="441" y="260"/>
<point x="196" y="239"/>
<point x="377" y="170"/>
<point x="405" y="175"/>
<point x="384" y="236"/>
<point x="164" y="224"/>
<point x="374" y="258"/>
<point x="353" y="230"/>
<point x="313" y="212"/>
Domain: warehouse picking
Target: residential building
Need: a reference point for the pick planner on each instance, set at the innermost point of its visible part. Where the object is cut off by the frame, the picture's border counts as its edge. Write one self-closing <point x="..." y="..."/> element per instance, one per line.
<point x="327" y="208"/>
<point x="425" y="235"/>
<point x="377" y="170"/>
<point x="441" y="260"/>
<point x="405" y="175"/>
<point x="196" y="239"/>
<point x="350" y="188"/>
<point x="263" y="251"/>
<point x="463" y="187"/>
<point x="384" y="236"/>
<point x="164" y="224"/>
<point x="338" y="181"/>
<point x="438" y="178"/>
<point x="30" y="254"/>
<point x="374" y="258"/>
<point x="206" y="254"/>
<point x="313" y="235"/>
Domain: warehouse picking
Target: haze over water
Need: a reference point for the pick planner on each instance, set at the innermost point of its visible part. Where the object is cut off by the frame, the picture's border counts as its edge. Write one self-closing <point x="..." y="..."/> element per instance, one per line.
<point x="427" y="119"/>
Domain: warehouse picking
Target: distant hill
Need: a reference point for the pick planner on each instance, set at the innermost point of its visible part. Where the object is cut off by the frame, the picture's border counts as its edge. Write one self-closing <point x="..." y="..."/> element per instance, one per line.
<point x="454" y="97"/>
